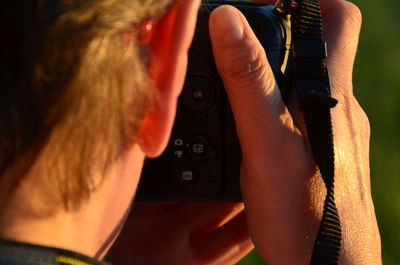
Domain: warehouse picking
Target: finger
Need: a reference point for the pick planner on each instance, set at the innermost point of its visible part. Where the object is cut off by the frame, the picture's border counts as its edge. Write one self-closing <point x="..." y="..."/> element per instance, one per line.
<point x="206" y="217"/>
<point x="197" y="217"/>
<point x="204" y="211"/>
<point x="225" y="245"/>
<point x="202" y="217"/>
<point x="152" y="209"/>
<point x="262" y="120"/>
<point x="342" y="24"/>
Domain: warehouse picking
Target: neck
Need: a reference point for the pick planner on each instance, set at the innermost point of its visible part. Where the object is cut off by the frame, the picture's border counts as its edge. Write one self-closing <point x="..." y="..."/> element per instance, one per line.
<point x="87" y="230"/>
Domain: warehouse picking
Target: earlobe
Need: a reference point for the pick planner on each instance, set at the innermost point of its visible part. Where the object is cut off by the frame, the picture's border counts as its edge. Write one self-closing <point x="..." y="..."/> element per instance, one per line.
<point x="152" y="136"/>
<point x="169" y="45"/>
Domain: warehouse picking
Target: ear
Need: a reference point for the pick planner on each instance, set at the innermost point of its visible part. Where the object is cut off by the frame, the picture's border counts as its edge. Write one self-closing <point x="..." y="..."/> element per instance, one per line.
<point x="169" y="48"/>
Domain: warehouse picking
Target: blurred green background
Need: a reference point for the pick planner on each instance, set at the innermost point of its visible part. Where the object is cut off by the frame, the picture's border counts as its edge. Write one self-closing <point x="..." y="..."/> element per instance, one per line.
<point x="377" y="87"/>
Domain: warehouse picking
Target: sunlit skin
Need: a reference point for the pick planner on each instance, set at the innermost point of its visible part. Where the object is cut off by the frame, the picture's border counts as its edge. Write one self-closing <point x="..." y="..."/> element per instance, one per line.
<point x="282" y="191"/>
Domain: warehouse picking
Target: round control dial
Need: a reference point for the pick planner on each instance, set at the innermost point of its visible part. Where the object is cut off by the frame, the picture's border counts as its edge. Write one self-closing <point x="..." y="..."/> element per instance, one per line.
<point x="199" y="148"/>
<point x="199" y="93"/>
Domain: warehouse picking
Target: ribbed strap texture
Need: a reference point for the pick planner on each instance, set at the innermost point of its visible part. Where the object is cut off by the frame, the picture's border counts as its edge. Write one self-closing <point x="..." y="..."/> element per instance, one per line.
<point x="313" y="90"/>
<point x="327" y="245"/>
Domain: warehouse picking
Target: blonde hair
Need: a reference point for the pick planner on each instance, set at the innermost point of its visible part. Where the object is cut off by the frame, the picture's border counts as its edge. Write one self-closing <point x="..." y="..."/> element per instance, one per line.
<point x="76" y="86"/>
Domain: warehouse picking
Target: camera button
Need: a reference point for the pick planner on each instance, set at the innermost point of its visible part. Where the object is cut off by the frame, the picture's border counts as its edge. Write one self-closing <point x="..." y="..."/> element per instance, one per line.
<point x="178" y="154"/>
<point x="199" y="93"/>
<point x="178" y="142"/>
<point x="187" y="176"/>
<point x="199" y="148"/>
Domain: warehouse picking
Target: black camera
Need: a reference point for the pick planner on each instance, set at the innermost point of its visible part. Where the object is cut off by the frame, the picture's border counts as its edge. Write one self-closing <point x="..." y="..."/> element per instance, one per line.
<point x="202" y="160"/>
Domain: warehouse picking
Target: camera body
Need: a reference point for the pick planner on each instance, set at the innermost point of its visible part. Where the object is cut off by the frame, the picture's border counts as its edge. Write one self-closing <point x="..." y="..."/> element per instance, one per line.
<point x="202" y="159"/>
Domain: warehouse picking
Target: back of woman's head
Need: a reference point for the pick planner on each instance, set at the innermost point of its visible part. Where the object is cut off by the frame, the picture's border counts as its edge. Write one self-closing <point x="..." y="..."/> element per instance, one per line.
<point x="71" y="91"/>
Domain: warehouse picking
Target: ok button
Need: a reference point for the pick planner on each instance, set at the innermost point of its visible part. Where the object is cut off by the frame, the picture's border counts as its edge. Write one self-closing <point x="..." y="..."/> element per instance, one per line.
<point x="199" y="93"/>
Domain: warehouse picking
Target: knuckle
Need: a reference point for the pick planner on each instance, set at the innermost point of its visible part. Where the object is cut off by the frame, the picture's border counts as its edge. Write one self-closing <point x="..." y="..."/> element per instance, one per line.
<point x="361" y="119"/>
<point x="247" y="67"/>
<point x="365" y="123"/>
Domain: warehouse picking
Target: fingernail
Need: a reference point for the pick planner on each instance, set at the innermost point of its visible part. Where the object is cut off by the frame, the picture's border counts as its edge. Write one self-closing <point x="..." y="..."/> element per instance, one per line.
<point x="230" y="27"/>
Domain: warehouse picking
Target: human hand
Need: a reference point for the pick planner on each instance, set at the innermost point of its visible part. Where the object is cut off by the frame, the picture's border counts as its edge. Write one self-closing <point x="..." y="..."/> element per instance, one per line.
<point x="282" y="190"/>
<point x="182" y="233"/>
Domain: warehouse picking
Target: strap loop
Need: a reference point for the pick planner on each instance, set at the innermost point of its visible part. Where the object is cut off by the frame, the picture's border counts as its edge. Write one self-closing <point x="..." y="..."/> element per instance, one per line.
<point x="314" y="48"/>
<point x="314" y="100"/>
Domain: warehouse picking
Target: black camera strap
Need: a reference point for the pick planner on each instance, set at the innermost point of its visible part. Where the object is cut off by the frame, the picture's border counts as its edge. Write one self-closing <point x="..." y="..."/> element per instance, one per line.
<point x="314" y="97"/>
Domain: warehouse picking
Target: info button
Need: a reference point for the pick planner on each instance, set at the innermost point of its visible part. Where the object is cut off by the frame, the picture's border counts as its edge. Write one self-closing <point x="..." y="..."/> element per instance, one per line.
<point x="187" y="176"/>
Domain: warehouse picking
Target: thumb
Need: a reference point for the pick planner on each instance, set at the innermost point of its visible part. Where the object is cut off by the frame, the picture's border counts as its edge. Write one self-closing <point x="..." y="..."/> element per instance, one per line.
<point x="262" y="120"/>
<point x="276" y="165"/>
